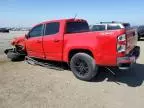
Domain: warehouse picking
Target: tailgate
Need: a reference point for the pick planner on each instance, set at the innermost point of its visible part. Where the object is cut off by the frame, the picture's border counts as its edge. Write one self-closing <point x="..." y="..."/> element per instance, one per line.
<point x="131" y="39"/>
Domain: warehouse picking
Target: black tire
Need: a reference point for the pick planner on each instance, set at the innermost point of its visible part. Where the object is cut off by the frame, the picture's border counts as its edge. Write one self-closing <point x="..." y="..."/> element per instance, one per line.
<point x="83" y="66"/>
<point x="14" y="56"/>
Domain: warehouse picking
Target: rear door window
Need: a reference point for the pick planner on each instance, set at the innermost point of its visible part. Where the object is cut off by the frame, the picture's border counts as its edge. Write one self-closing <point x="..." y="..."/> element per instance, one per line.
<point x="52" y="28"/>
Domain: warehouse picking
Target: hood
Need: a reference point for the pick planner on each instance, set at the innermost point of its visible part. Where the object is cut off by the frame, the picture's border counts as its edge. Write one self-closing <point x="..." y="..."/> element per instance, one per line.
<point x="18" y="41"/>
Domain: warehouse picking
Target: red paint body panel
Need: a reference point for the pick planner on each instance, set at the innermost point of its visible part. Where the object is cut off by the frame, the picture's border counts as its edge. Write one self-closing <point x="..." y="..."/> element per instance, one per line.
<point x="18" y="41"/>
<point x="53" y="44"/>
<point x="34" y="47"/>
<point x="102" y="44"/>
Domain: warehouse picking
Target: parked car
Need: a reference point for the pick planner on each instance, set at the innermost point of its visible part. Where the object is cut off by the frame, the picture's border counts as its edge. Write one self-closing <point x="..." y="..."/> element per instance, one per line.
<point x="71" y="41"/>
<point x="140" y="31"/>
<point x="4" y="30"/>
<point x="110" y="26"/>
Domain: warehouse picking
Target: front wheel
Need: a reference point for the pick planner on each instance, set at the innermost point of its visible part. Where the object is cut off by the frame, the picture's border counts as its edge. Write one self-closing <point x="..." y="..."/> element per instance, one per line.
<point x="83" y="66"/>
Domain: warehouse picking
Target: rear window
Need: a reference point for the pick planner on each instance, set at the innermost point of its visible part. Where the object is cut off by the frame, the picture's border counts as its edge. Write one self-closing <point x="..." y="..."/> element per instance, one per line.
<point x="77" y="27"/>
<point x="113" y="27"/>
<point x="98" y="28"/>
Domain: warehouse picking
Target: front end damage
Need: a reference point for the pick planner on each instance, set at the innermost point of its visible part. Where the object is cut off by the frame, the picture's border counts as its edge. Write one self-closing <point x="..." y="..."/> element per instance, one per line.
<point x="18" y="52"/>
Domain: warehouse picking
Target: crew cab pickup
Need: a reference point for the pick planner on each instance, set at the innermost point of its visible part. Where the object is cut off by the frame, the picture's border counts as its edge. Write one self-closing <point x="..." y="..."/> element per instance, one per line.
<point x="71" y="41"/>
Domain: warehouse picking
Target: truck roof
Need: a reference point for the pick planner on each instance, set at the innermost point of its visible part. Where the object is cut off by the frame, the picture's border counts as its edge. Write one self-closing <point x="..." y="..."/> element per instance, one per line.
<point x="61" y="20"/>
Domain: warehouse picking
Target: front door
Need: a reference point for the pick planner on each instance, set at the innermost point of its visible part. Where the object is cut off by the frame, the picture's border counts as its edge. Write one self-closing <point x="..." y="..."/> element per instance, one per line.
<point x="34" y="42"/>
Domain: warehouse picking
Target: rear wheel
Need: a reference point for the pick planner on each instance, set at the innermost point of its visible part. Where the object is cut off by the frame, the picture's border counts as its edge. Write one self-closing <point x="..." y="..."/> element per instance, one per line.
<point x="83" y="66"/>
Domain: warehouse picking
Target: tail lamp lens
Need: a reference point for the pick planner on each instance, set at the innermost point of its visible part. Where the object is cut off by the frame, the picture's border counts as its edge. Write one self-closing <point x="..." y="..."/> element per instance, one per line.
<point x="121" y="45"/>
<point x="122" y="37"/>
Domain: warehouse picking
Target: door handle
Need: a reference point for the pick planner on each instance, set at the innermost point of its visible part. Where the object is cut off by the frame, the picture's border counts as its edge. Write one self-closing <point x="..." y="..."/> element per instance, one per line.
<point x="38" y="41"/>
<point x="56" y="40"/>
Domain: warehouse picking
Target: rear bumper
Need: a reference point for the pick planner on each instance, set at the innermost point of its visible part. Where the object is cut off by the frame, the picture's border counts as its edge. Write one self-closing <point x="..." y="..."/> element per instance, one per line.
<point x="128" y="60"/>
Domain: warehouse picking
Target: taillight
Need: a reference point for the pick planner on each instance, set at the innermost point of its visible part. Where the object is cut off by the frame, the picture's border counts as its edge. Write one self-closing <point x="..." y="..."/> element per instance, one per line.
<point x="121" y="43"/>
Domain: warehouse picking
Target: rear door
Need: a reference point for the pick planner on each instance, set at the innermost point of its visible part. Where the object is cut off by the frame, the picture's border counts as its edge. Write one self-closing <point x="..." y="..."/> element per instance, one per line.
<point x="53" y="41"/>
<point x="34" y="42"/>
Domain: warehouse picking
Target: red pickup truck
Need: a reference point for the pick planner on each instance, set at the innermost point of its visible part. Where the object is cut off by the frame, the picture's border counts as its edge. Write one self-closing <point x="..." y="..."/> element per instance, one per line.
<point x="71" y="41"/>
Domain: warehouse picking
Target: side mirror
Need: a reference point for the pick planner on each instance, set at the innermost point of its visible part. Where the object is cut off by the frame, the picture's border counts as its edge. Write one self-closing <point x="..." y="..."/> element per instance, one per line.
<point x="26" y="36"/>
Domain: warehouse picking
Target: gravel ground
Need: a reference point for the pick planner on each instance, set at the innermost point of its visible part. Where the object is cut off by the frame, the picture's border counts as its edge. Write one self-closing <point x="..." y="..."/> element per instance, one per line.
<point x="26" y="86"/>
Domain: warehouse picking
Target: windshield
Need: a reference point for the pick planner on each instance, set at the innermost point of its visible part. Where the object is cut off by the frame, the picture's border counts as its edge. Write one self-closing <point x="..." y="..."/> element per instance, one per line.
<point x="76" y="27"/>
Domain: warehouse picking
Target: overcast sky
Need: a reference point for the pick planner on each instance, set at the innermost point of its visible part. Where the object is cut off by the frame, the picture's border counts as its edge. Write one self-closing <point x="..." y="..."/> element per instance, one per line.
<point x="30" y="12"/>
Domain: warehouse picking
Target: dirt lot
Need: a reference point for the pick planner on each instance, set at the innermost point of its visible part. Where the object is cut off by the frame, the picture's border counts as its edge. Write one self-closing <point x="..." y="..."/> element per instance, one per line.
<point x="26" y="86"/>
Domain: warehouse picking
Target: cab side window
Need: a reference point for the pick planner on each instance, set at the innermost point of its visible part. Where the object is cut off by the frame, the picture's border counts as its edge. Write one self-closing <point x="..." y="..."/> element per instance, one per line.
<point x="36" y="31"/>
<point x="52" y="28"/>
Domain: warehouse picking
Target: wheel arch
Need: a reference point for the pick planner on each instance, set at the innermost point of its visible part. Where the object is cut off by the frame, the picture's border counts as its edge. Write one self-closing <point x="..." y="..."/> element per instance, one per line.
<point x="72" y="52"/>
